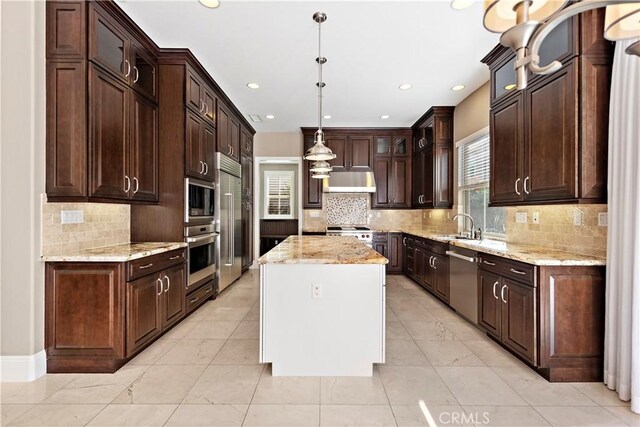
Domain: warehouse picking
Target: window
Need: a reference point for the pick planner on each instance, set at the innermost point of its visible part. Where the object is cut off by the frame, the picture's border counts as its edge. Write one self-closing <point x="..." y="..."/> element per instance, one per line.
<point x="473" y="185"/>
<point x="278" y="201"/>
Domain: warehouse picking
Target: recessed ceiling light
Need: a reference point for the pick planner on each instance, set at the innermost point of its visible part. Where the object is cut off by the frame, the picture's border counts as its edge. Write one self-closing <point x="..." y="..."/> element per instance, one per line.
<point x="510" y="86"/>
<point x="212" y="4"/>
<point x="326" y="116"/>
<point x="405" y="86"/>
<point x="461" y="4"/>
<point x="385" y="117"/>
<point x="457" y="88"/>
<point x="253" y="85"/>
<point x="270" y="116"/>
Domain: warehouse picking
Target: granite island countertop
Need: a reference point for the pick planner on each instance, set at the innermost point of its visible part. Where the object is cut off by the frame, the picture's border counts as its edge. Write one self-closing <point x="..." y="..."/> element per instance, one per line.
<point x="116" y="253"/>
<point x="322" y="250"/>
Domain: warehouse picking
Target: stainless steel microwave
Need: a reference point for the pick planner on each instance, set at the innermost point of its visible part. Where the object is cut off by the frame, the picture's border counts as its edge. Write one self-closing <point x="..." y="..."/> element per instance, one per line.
<point x="199" y="201"/>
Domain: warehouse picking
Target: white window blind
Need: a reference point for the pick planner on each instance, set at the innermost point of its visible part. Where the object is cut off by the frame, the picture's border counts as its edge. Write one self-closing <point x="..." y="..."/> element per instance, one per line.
<point x="278" y="194"/>
<point x="473" y="163"/>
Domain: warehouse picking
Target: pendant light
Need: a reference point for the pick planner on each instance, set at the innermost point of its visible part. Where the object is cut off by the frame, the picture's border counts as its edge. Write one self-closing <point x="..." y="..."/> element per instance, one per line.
<point x="319" y="152"/>
<point x="320" y="166"/>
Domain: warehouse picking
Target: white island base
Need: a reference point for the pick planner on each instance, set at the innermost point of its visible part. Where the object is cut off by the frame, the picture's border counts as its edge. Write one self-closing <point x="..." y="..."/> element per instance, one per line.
<point x="336" y="330"/>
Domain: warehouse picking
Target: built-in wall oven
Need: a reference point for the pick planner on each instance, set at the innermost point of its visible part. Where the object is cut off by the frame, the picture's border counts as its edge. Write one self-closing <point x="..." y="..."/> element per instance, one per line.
<point x="199" y="201"/>
<point x="202" y="241"/>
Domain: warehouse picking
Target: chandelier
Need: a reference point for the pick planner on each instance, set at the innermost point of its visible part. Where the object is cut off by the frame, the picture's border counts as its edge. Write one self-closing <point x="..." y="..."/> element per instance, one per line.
<point x="524" y="24"/>
<point x="319" y="153"/>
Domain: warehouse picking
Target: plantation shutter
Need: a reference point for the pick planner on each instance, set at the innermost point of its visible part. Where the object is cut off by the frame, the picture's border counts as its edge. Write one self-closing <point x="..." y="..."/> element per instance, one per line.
<point x="278" y="191"/>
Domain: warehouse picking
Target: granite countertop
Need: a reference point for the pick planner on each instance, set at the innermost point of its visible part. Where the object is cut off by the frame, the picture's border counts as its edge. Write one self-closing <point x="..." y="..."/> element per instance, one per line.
<point x="322" y="250"/>
<point x="530" y="254"/>
<point x="117" y="253"/>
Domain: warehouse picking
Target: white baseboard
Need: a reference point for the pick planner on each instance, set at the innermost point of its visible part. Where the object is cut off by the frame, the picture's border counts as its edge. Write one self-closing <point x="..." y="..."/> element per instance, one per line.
<point x="23" y="368"/>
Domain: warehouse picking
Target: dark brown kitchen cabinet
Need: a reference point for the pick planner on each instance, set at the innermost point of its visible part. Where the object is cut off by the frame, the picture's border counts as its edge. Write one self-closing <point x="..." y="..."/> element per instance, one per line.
<point x="338" y="145"/>
<point x="432" y="172"/>
<point x="518" y="328"/>
<point x="102" y="113"/>
<point x="360" y="153"/>
<point x="353" y="150"/>
<point x="99" y="315"/>
<point x="247" y="234"/>
<point x="246" y="142"/>
<point x="200" y="97"/>
<point x="108" y="136"/>
<point x="392" y="170"/>
<point x="247" y="176"/>
<point x="409" y="249"/>
<point x="228" y="133"/>
<point x="440" y="276"/>
<point x="311" y="187"/>
<point x="395" y="253"/>
<point x="489" y="304"/>
<point x="427" y="264"/>
<point x="549" y="141"/>
<point x="200" y="147"/>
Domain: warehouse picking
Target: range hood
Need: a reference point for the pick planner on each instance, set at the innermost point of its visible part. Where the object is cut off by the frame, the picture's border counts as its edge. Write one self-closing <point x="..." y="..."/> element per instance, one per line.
<point x="349" y="182"/>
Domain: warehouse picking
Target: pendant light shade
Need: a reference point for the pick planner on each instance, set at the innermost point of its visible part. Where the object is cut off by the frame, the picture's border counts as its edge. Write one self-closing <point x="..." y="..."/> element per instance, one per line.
<point x="319" y="175"/>
<point x="622" y="21"/>
<point x="320" y="153"/>
<point x="501" y="15"/>
<point x="320" y="166"/>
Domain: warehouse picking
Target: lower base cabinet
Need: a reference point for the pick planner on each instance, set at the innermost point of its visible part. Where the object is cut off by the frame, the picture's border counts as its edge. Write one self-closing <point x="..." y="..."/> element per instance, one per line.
<point x="550" y="317"/>
<point x="99" y="315"/>
<point x="427" y="264"/>
<point x="390" y="245"/>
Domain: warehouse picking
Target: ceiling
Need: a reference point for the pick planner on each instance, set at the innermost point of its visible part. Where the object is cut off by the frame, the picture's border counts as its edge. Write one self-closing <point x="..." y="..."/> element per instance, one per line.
<point x="371" y="47"/>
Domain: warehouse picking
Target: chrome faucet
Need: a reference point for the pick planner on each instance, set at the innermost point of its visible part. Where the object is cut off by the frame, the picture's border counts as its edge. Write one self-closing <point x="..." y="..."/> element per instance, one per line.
<point x="465" y="216"/>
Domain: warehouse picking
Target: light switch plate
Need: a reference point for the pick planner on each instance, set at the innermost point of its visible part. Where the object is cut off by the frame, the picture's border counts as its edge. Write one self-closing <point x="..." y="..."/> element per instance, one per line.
<point x="535" y="217"/>
<point x="577" y="217"/>
<point x="314" y="214"/>
<point x="72" y="217"/>
<point x="521" y="217"/>
<point x="603" y="219"/>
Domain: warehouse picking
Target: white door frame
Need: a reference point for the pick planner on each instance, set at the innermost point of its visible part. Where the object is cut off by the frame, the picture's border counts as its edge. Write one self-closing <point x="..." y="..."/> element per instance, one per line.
<point x="257" y="190"/>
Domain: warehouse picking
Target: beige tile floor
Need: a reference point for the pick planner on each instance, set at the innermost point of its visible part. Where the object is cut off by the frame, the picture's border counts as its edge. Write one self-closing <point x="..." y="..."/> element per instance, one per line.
<point x="205" y="372"/>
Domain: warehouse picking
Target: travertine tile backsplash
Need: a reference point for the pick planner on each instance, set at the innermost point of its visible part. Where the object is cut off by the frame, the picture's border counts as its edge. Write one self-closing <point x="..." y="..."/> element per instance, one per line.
<point x="104" y="224"/>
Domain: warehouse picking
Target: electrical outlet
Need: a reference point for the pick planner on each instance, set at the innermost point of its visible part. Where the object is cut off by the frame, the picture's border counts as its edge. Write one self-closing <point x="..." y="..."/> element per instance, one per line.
<point x="535" y="217"/>
<point x="316" y="290"/>
<point x="603" y="219"/>
<point x="577" y="217"/>
<point x="314" y="214"/>
<point x="72" y="217"/>
<point x="521" y="217"/>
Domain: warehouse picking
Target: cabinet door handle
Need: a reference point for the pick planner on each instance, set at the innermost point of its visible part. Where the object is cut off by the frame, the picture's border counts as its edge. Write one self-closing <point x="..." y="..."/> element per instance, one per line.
<point x="494" y="290"/>
<point x="525" y="185"/>
<point x="160" y="282"/>
<point x="518" y="271"/>
<point x="137" y="185"/>
<point x="206" y="168"/>
<point x="488" y="263"/>
<point x="208" y="290"/>
<point x="433" y="263"/>
<point x="145" y="266"/>
<point x="206" y="109"/>
<point x="404" y="241"/>
<point x="516" y="186"/>
<point x="136" y="73"/>
<point x="168" y="283"/>
<point x="229" y="150"/>
<point x="191" y="301"/>
<point x="201" y="109"/>
<point x="201" y="171"/>
<point x="176" y="257"/>
<point x="502" y="293"/>
<point x="128" y="64"/>
<point x="128" y="181"/>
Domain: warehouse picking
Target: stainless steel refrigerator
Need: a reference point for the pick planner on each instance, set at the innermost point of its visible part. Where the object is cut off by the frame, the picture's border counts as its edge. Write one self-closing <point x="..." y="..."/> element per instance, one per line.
<point x="228" y="220"/>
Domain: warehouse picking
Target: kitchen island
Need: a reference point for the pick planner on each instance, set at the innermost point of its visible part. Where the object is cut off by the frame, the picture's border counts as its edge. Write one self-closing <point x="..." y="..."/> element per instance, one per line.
<point x="322" y="307"/>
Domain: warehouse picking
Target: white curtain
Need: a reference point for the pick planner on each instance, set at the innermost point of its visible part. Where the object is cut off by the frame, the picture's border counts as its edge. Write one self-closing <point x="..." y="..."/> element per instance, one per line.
<point x="622" y="327"/>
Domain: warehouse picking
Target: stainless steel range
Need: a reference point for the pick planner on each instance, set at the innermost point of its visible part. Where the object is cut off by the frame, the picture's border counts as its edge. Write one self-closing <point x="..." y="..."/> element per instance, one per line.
<point x="361" y="232"/>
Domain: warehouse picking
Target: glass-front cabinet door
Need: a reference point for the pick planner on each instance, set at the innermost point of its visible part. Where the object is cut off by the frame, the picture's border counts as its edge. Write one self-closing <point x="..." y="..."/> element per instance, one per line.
<point x="401" y="146"/>
<point x="383" y="145"/>
<point x="144" y="72"/>
<point x="109" y="45"/>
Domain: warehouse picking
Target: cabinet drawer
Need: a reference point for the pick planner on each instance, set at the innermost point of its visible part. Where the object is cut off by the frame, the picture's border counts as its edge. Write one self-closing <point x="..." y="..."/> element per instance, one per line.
<point x="380" y="237"/>
<point x="438" y="247"/>
<point x="523" y="273"/>
<point x="147" y="265"/>
<point x="194" y="299"/>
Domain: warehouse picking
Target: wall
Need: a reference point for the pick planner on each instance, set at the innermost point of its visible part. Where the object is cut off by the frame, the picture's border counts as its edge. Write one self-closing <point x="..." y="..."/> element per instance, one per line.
<point x="472" y="113"/>
<point x="22" y="148"/>
<point x="279" y="167"/>
<point x="277" y="144"/>
<point x="104" y="224"/>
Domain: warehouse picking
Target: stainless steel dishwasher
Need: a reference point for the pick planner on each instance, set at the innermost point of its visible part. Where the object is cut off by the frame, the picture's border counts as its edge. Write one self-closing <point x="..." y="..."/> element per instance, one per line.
<point x="463" y="282"/>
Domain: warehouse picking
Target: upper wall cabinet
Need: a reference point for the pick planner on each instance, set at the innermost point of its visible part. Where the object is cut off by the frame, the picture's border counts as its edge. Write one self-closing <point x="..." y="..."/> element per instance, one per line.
<point x="102" y="112"/>
<point x="549" y="141"/>
<point x="432" y="161"/>
<point x="200" y="97"/>
<point x="392" y="169"/>
<point x="228" y="132"/>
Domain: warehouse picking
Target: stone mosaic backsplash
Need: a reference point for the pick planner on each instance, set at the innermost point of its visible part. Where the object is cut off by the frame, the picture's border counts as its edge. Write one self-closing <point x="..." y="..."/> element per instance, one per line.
<point x="104" y="224"/>
<point x="347" y="209"/>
